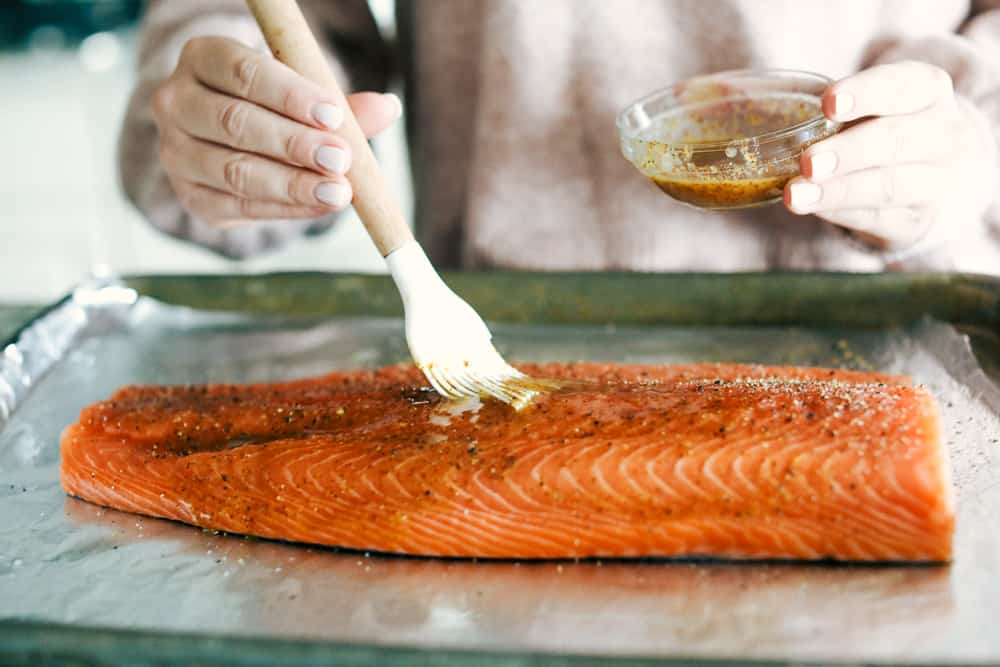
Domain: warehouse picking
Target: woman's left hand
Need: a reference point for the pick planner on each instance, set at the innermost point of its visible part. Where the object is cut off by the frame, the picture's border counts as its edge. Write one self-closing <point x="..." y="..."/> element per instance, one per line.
<point x="920" y="152"/>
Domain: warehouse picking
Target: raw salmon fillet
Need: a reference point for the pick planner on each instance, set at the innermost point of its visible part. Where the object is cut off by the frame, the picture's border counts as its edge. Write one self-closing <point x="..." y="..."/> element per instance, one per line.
<point x="722" y="461"/>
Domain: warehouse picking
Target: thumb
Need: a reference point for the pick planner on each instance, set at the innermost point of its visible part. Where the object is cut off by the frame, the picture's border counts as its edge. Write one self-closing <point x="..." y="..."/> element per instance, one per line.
<point x="887" y="90"/>
<point x="375" y="111"/>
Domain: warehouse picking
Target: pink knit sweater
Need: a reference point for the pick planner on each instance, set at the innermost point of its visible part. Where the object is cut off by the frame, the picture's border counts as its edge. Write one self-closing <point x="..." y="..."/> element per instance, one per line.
<point x="511" y="106"/>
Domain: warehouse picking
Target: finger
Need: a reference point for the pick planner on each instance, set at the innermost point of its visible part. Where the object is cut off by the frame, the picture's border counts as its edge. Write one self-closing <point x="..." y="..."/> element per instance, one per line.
<point x="877" y="142"/>
<point x="375" y="112"/>
<point x="887" y="90"/>
<point x="251" y="176"/>
<point x="888" y="187"/>
<point x="216" y="206"/>
<point x="238" y="71"/>
<point x="239" y="124"/>
<point x="883" y="227"/>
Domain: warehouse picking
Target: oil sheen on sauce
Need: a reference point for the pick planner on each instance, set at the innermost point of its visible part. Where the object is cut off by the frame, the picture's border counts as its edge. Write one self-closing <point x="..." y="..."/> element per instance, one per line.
<point x="707" y="160"/>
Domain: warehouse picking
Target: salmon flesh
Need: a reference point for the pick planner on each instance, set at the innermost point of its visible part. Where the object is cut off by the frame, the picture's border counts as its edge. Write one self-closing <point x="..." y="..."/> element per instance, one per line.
<point x="720" y="461"/>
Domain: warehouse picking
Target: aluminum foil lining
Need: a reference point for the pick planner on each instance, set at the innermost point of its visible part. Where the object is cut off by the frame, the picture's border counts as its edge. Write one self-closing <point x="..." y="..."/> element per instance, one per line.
<point x="67" y="561"/>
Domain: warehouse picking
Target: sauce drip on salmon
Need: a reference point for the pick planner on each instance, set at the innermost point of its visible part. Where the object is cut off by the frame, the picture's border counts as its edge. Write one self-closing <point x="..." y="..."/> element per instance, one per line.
<point x="722" y="461"/>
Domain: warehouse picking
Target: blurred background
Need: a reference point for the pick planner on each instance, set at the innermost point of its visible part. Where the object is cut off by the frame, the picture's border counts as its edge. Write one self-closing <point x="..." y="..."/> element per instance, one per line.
<point x="66" y="70"/>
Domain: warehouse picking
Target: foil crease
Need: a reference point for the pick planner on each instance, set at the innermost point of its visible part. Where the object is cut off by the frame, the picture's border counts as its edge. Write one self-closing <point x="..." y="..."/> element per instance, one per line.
<point x="90" y="309"/>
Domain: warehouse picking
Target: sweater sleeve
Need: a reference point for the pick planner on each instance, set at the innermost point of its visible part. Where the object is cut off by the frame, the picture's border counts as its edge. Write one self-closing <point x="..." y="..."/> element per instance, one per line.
<point x="966" y="239"/>
<point x="359" y="59"/>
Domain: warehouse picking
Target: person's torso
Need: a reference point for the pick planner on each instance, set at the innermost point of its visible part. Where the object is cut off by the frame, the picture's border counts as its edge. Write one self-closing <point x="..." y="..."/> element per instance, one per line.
<point x="516" y="160"/>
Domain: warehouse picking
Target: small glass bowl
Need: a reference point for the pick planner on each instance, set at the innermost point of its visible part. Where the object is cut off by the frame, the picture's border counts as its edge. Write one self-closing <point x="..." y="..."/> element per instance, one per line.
<point x="727" y="140"/>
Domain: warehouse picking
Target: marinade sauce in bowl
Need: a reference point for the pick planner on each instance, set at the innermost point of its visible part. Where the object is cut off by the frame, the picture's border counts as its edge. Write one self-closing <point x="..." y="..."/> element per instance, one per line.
<point x="726" y="140"/>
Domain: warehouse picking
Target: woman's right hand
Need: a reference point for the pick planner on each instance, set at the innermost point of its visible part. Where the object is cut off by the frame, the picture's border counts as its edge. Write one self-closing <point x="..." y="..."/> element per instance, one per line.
<point x="242" y="136"/>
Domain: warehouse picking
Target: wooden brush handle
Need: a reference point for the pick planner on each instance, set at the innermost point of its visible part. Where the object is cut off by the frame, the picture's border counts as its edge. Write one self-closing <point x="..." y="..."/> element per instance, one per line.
<point x="293" y="43"/>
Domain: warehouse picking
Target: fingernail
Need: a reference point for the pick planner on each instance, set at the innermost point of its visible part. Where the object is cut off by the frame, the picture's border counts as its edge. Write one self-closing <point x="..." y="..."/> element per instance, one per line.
<point x="334" y="194"/>
<point x="395" y="100"/>
<point x="822" y="164"/>
<point x="332" y="158"/>
<point x="843" y="104"/>
<point x="329" y="116"/>
<point x="804" y="194"/>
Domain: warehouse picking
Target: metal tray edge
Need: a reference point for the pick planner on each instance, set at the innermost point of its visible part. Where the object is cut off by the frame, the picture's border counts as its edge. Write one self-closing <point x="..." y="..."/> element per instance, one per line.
<point x="38" y="643"/>
<point x="688" y="298"/>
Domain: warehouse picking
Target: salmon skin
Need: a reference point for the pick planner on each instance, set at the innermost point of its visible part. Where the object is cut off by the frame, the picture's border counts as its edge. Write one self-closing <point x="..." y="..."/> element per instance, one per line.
<point x="718" y="461"/>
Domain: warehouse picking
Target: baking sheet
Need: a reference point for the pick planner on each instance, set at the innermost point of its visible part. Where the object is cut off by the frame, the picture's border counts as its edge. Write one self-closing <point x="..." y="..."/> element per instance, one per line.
<point x="67" y="561"/>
